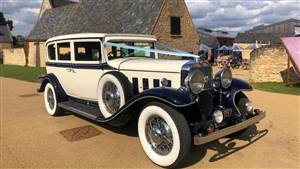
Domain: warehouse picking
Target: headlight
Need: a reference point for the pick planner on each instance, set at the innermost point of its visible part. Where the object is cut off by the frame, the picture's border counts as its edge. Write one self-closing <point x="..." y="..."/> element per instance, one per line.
<point x="195" y="81"/>
<point x="225" y="77"/>
<point x="249" y="107"/>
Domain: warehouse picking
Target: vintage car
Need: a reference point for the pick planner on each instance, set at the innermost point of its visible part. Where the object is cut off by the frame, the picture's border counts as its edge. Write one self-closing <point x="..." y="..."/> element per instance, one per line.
<point x="111" y="78"/>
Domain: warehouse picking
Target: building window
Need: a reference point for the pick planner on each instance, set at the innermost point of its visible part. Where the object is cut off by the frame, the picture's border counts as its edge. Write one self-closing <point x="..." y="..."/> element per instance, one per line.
<point x="297" y="30"/>
<point x="51" y="52"/>
<point x="87" y="51"/>
<point x="175" y="25"/>
<point x="64" y="52"/>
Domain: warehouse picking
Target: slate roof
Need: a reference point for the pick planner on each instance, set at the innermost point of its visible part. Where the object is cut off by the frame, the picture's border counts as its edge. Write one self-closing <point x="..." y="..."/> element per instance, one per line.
<point x="208" y="40"/>
<point x="262" y="37"/>
<point x="5" y="34"/>
<point x="101" y="16"/>
<point x="217" y="34"/>
<point x="210" y="37"/>
<point x="58" y="3"/>
<point x="274" y="24"/>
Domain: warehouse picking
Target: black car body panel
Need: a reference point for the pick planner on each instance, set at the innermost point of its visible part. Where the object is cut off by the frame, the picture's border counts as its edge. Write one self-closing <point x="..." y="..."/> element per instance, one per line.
<point x="238" y="84"/>
<point x="51" y="78"/>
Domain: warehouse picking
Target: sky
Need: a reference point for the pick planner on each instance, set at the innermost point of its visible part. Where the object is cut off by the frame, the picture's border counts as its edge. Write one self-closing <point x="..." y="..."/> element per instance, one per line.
<point x="228" y="15"/>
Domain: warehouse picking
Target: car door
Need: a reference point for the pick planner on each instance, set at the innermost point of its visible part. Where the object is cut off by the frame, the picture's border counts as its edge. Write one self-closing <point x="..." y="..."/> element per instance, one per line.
<point x="62" y="65"/>
<point x="87" y="68"/>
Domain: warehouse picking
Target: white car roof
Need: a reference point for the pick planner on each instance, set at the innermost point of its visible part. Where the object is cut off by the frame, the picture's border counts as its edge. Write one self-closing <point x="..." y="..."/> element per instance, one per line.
<point x="102" y="35"/>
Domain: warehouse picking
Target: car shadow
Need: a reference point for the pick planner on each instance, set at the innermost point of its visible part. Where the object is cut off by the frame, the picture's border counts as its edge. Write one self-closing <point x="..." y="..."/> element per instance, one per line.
<point x="130" y="129"/>
<point x="226" y="148"/>
<point x="197" y="153"/>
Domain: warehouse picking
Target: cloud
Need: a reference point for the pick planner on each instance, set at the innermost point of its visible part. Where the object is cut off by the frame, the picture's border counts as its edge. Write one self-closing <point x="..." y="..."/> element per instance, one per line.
<point x="230" y="15"/>
<point x="238" y="15"/>
<point x="24" y="14"/>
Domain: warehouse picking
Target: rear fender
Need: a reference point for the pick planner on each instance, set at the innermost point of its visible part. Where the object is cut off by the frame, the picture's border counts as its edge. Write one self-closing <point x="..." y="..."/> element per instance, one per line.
<point x="51" y="78"/>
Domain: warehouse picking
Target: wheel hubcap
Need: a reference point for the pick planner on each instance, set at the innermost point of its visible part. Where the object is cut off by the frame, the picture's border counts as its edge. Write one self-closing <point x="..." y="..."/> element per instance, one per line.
<point x="111" y="97"/>
<point x="50" y="99"/>
<point x="159" y="135"/>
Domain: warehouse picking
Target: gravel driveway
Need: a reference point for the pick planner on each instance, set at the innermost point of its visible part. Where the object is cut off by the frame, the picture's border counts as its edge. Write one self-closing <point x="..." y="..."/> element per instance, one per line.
<point x="31" y="139"/>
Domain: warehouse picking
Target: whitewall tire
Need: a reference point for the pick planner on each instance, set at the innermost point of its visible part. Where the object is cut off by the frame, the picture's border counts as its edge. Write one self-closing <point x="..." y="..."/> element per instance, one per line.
<point x="50" y="100"/>
<point x="164" y="134"/>
<point x="111" y="95"/>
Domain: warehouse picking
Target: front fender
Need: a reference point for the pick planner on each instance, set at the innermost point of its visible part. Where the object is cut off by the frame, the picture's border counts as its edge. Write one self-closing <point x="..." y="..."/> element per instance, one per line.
<point x="237" y="88"/>
<point x="174" y="97"/>
<point x="238" y="84"/>
<point x="171" y="97"/>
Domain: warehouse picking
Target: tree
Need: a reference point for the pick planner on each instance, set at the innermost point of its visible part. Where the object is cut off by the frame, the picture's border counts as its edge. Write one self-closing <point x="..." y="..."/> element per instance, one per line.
<point x="10" y="24"/>
<point x="3" y="21"/>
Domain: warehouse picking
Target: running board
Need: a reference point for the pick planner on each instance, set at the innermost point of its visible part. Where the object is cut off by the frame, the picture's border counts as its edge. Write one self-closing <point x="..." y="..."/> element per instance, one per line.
<point x="85" y="110"/>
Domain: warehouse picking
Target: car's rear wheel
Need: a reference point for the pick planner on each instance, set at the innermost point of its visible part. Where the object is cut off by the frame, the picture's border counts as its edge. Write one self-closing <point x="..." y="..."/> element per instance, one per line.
<point x="164" y="134"/>
<point x="50" y="100"/>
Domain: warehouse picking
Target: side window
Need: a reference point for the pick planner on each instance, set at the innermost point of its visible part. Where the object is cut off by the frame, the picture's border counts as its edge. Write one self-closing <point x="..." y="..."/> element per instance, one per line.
<point x="175" y="25"/>
<point x="51" y="52"/>
<point x="64" y="51"/>
<point x="87" y="51"/>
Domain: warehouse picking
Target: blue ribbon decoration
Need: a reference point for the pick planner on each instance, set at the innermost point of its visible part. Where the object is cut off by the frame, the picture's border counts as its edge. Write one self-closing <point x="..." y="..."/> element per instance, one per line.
<point x="181" y="54"/>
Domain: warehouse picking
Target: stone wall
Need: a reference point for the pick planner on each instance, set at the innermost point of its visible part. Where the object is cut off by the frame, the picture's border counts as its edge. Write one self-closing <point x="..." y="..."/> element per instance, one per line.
<point x="267" y="63"/>
<point x="189" y="38"/>
<point x="36" y="54"/>
<point x="246" y="52"/>
<point x="33" y="55"/>
<point x="14" y="56"/>
<point x="2" y="47"/>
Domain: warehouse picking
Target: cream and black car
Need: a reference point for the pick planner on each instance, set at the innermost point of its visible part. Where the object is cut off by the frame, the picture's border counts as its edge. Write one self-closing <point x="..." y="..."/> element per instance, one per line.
<point x="111" y="78"/>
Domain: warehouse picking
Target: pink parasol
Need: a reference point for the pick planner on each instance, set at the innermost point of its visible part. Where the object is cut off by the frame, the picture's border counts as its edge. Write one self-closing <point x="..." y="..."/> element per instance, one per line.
<point x="292" y="45"/>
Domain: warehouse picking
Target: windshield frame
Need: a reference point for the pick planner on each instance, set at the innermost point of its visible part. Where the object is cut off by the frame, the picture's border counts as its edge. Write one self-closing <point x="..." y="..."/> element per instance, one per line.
<point x="129" y="52"/>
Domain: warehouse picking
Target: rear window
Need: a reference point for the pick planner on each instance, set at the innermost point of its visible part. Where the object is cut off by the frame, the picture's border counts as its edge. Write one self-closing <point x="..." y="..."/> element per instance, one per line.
<point x="64" y="51"/>
<point x="51" y="52"/>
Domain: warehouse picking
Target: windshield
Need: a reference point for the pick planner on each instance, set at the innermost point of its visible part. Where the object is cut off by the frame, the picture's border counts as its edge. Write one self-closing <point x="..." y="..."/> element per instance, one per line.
<point x="114" y="52"/>
<point x="117" y="50"/>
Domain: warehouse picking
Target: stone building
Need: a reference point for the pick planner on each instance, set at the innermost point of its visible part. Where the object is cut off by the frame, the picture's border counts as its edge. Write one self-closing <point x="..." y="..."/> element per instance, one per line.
<point x="6" y="40"/>
<point x="215" y="39"/>
<point x="169" y="20"/>
<point x="269" y="62"/>
<point x="270" y="34"/>
<point x="267" y="35"/>
<point x="286" y="27"/>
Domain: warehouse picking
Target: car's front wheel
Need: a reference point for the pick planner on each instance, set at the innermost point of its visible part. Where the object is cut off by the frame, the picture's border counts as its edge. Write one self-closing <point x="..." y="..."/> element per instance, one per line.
<point x="164" y="134"/>
<point x="50" y="100"/>
<point x="112" y="95"/>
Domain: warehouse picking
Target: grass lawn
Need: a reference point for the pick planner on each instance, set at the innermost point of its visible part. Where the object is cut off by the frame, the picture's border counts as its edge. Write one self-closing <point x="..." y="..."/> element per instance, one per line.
<point x="29" y="74"/>
<point x="277" y="87"/>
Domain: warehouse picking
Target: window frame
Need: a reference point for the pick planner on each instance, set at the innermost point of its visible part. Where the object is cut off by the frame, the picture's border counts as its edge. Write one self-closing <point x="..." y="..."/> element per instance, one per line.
<point x="88" y="62"/>
<point x="71" y="51"/>
<point x="180" y="26"/>
<point x="55" y="48"/>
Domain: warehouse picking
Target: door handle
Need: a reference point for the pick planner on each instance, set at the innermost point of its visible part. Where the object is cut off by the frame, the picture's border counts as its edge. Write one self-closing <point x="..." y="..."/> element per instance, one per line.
<point x="69" y="70"/>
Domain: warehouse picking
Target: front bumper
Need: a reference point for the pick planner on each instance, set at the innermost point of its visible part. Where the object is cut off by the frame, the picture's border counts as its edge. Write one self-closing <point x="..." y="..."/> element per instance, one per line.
<point x="199" y="140"/>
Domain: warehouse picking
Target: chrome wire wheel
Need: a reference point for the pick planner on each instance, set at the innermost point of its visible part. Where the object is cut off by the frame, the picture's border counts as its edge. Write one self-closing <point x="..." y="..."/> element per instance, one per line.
<point x="159" y="135"/>
<point x="164" y="134"/>
<point x="50" y="98"/>
<point x="111" y="97"/>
